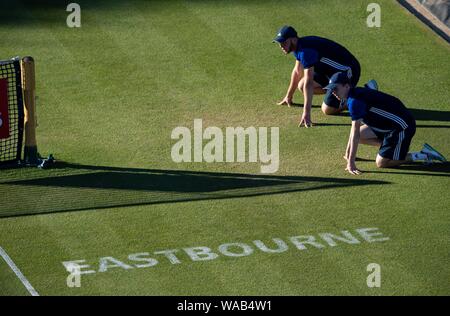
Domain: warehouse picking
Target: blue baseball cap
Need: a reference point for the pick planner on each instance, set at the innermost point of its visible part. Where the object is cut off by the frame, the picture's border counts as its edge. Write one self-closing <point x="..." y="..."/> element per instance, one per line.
<point x="337" y="78"/>
<point x="284" y="33"/>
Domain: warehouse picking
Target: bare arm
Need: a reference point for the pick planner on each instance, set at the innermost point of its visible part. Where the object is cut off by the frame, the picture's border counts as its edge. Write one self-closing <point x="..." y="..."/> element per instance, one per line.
<point x="352" y="147"/>
<point x="347" y="151"/>
<point x="296" y="76"/>
<point x="308" y="93"/>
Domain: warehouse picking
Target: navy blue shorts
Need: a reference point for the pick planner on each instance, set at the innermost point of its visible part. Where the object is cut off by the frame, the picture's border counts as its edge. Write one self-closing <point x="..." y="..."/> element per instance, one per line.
<point x="395" y="144"/>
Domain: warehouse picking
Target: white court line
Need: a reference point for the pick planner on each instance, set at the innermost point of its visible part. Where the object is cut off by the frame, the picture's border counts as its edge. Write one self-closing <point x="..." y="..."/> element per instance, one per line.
<point x="19" y="274"/>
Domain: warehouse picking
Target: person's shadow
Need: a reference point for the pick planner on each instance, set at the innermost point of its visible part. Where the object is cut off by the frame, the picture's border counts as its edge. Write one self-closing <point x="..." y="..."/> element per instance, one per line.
<point x="299" y="105"/>
<point x="418" y="114"/>
<point x="430" y="115"/>
<point x="419" y="169"/>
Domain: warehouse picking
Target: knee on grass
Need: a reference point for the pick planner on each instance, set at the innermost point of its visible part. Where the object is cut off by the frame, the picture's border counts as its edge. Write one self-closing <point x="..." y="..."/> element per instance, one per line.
<point x="329" y="110"/>
<point x="383" y="162"/>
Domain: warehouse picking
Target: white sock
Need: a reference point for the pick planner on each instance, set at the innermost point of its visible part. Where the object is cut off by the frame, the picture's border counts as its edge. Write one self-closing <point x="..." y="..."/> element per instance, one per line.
<point x="418" y="156"/>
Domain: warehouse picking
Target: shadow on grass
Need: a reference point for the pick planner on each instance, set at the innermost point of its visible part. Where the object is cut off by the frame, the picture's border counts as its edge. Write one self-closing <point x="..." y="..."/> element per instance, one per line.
<point x="436" y="170"/>
<point x="418" y="114"/>
<point x="71" y="187"/>
<point x="39" y="12"/>
<point x="53" y="12"/>
<point x="300" y="105"/>
<point x="430" y="115"/>
<point x="349" y="125"/>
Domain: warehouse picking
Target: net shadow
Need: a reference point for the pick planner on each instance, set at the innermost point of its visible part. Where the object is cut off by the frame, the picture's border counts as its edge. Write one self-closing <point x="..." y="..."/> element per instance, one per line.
<point x="79" y="187"/>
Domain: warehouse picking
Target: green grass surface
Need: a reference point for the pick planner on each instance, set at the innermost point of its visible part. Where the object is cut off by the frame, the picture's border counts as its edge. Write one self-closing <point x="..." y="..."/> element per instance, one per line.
<point x="110" y="94"/>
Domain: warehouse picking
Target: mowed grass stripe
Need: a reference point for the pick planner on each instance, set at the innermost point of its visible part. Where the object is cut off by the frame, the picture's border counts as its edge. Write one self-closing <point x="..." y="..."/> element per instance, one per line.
<point x="409" y="209"/>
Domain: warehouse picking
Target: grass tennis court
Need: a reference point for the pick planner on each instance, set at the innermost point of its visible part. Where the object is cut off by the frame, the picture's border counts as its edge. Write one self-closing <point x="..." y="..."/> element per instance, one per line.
<point x="111" y="92"/>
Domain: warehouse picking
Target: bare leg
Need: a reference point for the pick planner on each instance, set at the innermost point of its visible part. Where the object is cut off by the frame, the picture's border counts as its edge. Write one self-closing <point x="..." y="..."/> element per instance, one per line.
<point x="368" y="137"/>
<point x="388" y="163"/>
<point x="317" y="87"/>
<point x="329" y="110"/>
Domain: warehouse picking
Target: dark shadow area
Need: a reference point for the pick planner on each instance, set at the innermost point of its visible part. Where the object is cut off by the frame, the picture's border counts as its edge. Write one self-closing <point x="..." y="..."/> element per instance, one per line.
<point x="437" y="167"/>
<point x="430" y="115"/>
<point x="62" y="4"/>
<point x="152" y="181"/>
<point x="437" y="170"/>
<point x="432" y="126"/>
<point x="300" y="105"/>
<point x="20" y="12"/>
<point x="332" y="124"/>
<point x="39" y="12"/>
<point x="71" y="187"/>
<point x="425" y="115"/>
<point x="418" y="114"/>
<point x="364" y="159"/>
<point x="349" y="125"/>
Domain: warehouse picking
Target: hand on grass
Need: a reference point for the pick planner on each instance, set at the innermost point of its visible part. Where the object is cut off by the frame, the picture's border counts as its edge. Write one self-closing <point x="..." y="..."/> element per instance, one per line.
<point x="305" y="120"/>
<point x="351" y="168"/>
<point x="286" y="101"/>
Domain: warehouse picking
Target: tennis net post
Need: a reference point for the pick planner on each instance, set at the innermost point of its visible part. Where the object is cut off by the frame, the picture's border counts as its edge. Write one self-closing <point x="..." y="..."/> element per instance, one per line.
<point x="31" y="156"/>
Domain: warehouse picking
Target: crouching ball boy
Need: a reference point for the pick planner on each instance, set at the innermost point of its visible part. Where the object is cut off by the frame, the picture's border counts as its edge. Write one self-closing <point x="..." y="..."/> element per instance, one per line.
<point x="381" y="120"/>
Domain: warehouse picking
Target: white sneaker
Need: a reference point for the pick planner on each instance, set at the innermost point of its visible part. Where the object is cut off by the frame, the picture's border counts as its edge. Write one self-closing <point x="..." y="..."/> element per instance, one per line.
<point x="372" y="84"/>
<point x="432" y="153"/>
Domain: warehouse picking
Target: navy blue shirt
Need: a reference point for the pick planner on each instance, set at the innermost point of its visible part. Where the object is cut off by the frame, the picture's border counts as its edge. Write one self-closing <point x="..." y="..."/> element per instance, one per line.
<point x="326" y="56"/>
<point x="380" y="111"/>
